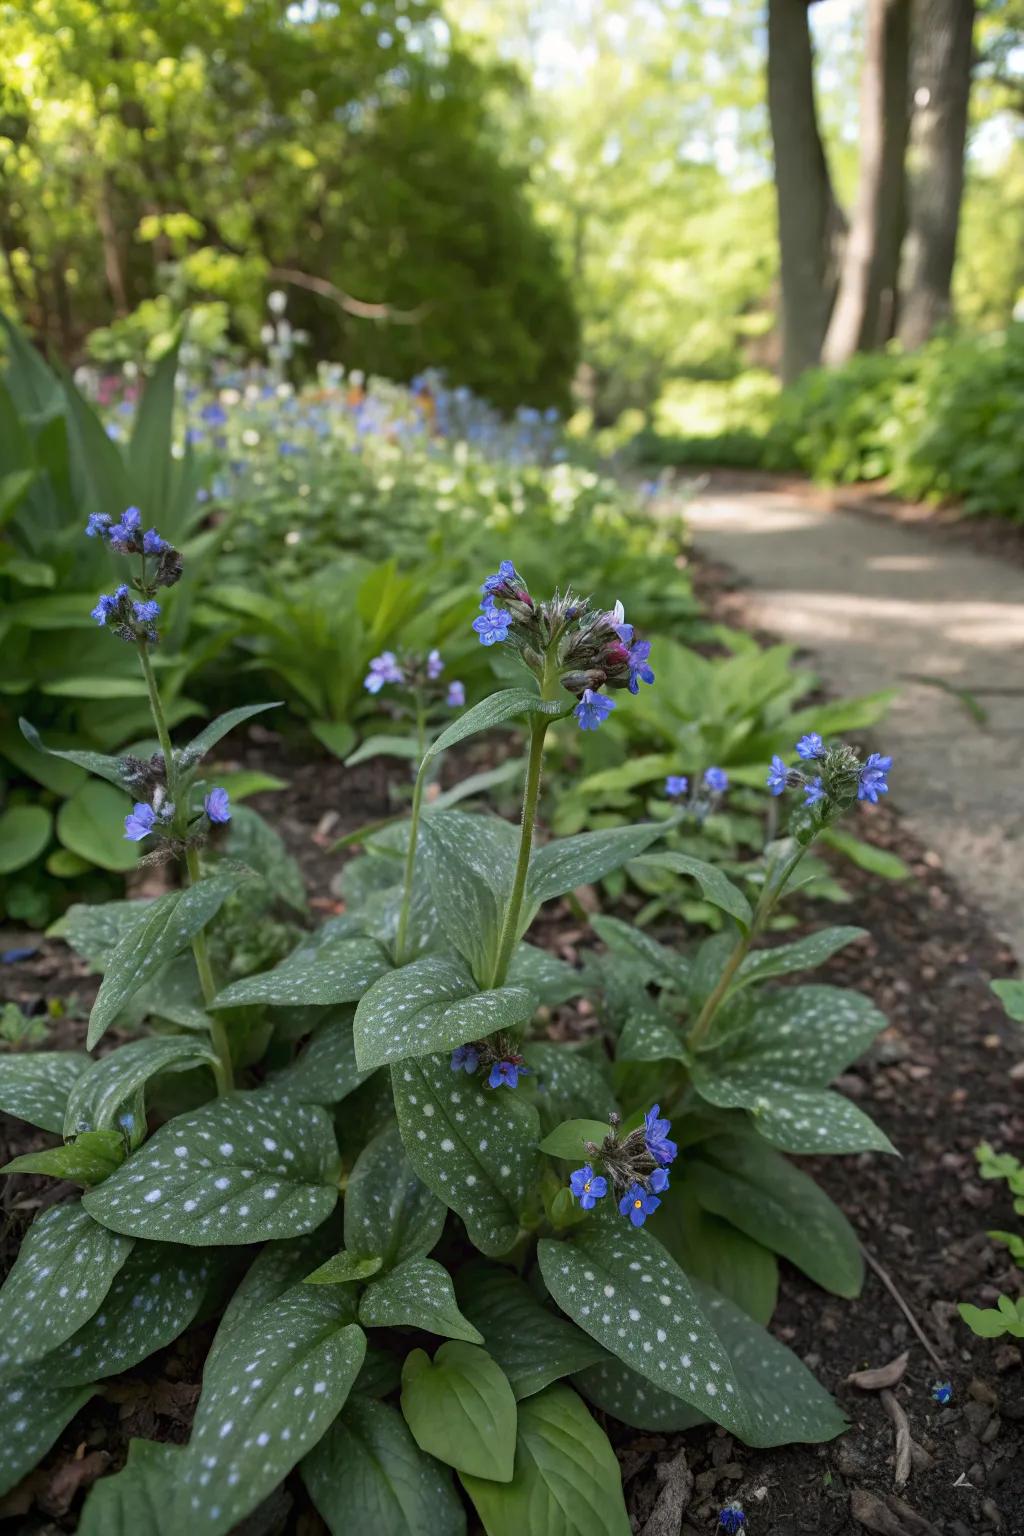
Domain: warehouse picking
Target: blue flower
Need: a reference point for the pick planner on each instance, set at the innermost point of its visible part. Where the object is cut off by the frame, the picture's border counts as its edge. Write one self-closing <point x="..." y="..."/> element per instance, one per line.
<point x="139" y="823"/>
<point x="813" y="792"/>
<point x="656" y="1135"/>
<point x="810" y="747"/>
<point x="637" y="1204"/>
<point x="506" y="1074"/>
<point x="456" y="695"/>
<point x="383" y="669"/>
<point x="872" y="778"/>
<point x="124" y="533"/>
<point x="435" y="665"/>
<point x="108" y="604"/>
<point x="943" y="1392"/>
<point x="778" y="776"/>
<point x="465" y="1058"/>
<point x="131" y="518"/>
<point x="506" y="572"/>
<point x="97" y="525"/>
<point x="148" y="612"/>
<point x="153" y="544"/>
<point x="214" y="414"/>
<point x="217" y="805"/>
<point x="659" y="1180"/>
<point x="676" y="784"/>
<point x="639" y="671"/>
<point x="717" y="780"/>
<point x="617" y="620"/>
<point x="587" y="1186"/>
<point x="731" y="1519"/>
<point x="593" y="709"/>
<point x="493" y="624"/>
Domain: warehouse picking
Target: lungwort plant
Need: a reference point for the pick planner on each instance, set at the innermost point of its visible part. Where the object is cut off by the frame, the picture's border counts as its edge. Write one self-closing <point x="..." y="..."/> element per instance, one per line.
<point x="428" y="1234"/>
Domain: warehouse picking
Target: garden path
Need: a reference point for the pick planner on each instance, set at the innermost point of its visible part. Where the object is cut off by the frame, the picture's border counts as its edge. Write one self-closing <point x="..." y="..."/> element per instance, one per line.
<point x="881" y="605"/>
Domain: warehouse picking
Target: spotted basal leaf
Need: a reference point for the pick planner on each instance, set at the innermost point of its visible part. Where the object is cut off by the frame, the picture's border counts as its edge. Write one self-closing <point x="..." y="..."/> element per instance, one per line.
<point x="431" y="1005"/>
<point x="59" y="1279"/>
<point x="314" y="975"/>
<point x="368" y="1474"/>
<point x="326" y="1071"/>
<point x="112" y="1082"/>
<point x="533" y="1344"/>
<point x="34" y="1085"/>
<point x="570" y="862"/>
<point x="475" y="1148"/>
<point x="32" y="1421"/>
<point x="136" y="1498"/>
<point x="812" y="950"/>
<point x="626" y="1395"/>
<point x="469" y="862"/>
<point x="95" y="931"/>
<point x="268" y="1396"/>
<point x="801" y="1035"/>
<point x="647" y="1035"/>
<point x="416" y="1294"/>
<point x="551" y="980"/>
<point x="661" y="963"/>
<point x="276" y="1269"/>
<point x="566" y="1481"/>
<point x="460" y="1409"/>
<point x="242" y="1169"/>
<point x="569" y="1085"/>
<point x="388" y="1210"/>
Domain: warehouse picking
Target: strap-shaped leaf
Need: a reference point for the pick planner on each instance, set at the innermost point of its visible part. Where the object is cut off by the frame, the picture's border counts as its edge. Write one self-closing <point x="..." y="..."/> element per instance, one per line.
<point x="112" y="1082"/>
<point x="242" y="1169"/>
<point x="581" y="860"/>
<point x="460" y="1409"/>
<point x="168" y="926"/>
<point x="276" y="1269"/>
<point x="494" y="710"/>
<point x="567" y="1480"/>
<point x="136" y="1498"/>
<point x="315" y="975"/>
<point x="800" y="1035"/>
<point x="32" y="1421"/>
<point x="476" y="1149"/>
<point x="217" y="730"/>
<point x="368" y="1474"/>
<point x="34" y="1086"/>
<point x="625" y="938"/>
<point x="63" y="1271"/>
<point x="647" y="1035"/>
<point x="533" y="1344"/>
<point x="814" y="949"/>
<point x="743" y="1180"/>
<point x="626" y="1395"/>
<point x="726" y="1259"/>
<point x="388" y="1211"/>
<point x="267" y="1398"/>
<point x="469" y="865"/>
<point x="326" y="1071"/>
<point x="569" y="1084"/>
<point x="417" y="1294"/>
<point x="431" y="1005"/>
<point x="95" y="931"/>
<point x="103" y="767"/>
<point x="715" y="887"/>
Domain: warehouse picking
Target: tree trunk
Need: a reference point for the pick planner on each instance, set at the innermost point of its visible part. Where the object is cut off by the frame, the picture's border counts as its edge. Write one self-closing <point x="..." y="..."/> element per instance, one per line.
<point x="865" y="311"/>
<point x="810" y="220"/>
<point x="941" y="63"/>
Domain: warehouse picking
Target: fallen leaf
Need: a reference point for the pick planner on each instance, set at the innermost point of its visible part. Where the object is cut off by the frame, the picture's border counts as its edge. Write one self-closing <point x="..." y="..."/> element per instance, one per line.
<point x="881" y="1376"/>
<point x="673" y="1499"/>
<point x="68" y="1480"/>
<point x="902" y="1426"/>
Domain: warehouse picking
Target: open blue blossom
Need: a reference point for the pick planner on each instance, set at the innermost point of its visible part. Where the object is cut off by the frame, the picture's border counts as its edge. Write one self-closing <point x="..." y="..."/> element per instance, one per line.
<point x="593" y="709"/>
<point x="506" y="572"/>
<point x="152" y="543"/>
<point x="943" y="1392"/>
<point x="139" y="822"/>
<point x="109" y="604"/>
<point x="465" y="1058"/>
<point x="217" y="805"/>
<point x="872" y="781"/>
<point x="659" y="1180"/>
<point x="506" y="1074"/>
<point x="124" y="532"/>
<point x="778" y="776"/>
<point x="493" y="624"/>
<point x="435" y="665"/>
<point x="676" y="784"/>
<point x="639" y="671"/>
<point x="810" y="747"/>
<point x="814" y="792"/>
<point x="383" y="669"/>
<point x="656" y="1135"/>
<point x="731" y="1519"/>
<point x="97" y="525"/>
<point x="147" y="612"/>
<point x="456" y="695"/>
<point x="716" y="780"/>
<point x="617" y="619"/>
<point x="587" y="1186"/>
<point x="214" y="414"/>
<point x="638" y="1204"/>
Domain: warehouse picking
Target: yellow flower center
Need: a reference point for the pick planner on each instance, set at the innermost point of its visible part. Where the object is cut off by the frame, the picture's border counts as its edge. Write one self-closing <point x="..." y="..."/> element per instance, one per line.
<point x="637" y="1204"/>
<point x="586" y="1188"/>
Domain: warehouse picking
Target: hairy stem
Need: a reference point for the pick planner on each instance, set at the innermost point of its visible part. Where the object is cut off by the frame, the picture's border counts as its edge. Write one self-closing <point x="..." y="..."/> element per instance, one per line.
<point x="410" y="867"/>
<point x="531" y="794"/>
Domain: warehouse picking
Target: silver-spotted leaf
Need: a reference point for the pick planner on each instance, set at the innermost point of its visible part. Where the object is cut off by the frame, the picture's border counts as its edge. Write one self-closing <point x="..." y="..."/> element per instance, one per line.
<point x="325" y="1072"/>
<point x="314" y="975"/>
<point x="460" y="1409"/>
<point x="32" y="1421"/>
<point x="715" y="887"/>
<point x="569" y="1085"/>
<point x="533" y="1344"/>
<point x="389" y="1211"/>
<point x="574" y="861"/>
<point x="814" y="949"/>
<point x="626" y="1395"/>
<point x="416" y="1294"/>
<point x="800" y="1035"/>
<point x="647" y="1035"/>
<point x="135" y="1499"/>
<point x="112" y="1082"/>
<point x="34" y="1085"/>
<point x="431" y="1005"/>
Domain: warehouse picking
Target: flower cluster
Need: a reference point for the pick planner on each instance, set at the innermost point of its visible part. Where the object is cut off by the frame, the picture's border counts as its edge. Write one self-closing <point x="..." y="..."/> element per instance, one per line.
<point x="146" y="818"/>
<point x="732" y="1519"/>
<point x="841" y="779"/>
<point x="498" y="1057"/>
<point x="417" y="673"/>
<point x="705" y="795"/>
<point x="132" y="617"/>
<point x="589" y="649"/>
<point x="636" y="1166"/>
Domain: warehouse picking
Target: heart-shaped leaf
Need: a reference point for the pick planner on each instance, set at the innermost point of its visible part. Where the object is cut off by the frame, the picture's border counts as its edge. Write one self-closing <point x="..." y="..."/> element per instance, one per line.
<point x="568" y="1140"/>
<point x="91" y="822"/>
<point x="460" y="1409"/>
<point x="314" y="975"/>
<point x="368" y="1474"/>
<point x="567" y="1480"/>
<point x="388" y="1211"/>
<point x="34" y="1085"/>
<point x="417" y="1294"/>
<point x="101" y="1093"/>
<point x="242" y="1169"/>
<point x="32" y="1421"/>
<point x="533" y="1344"/>
<point x="59" y="1279"/>
<point x="476" y="1149"/>
<point x="431" y="1005"/>
<point x="326" y="1071"/>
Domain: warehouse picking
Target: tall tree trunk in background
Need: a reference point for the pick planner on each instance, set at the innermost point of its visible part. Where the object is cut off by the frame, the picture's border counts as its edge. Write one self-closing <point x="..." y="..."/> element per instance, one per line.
<point x="941" y="61"/>
<point x="810" y="220"/>
<point x="865" y="310"/>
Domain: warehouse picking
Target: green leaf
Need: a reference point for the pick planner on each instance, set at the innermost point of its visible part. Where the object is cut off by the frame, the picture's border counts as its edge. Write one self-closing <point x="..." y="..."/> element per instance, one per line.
<point x="568" y="1084"/>
<point x="276" y="1269"/>
<point x="800" y="1035"/>
<point x="136" y="1498"/>
<point x="416" y="1294"/>
<point x="495" y="710"/>
<point x="314" y="975"/>
<point x="43" y="766"/>
<point x="252" y="841"/>
<point x="460" y="1409"/>
<point x="806" y="953"/>
<point x="91" y="824"/>
<point x="718" y="1253"/>
<point x="476" y="1150"/>
<point x="89" y="1159"/>
<point x="988" y="1323"/>
<point x="626" y="1395"/>
<point x="647" y="1035"/>
<point x="336" y="735"/>
<point x="368" y="1474"/>
<point x="242" y="1169"/>
<point x="431" y="1005"/>
<point x="469" y="862"/>
<point x="1011" y="995"/>
<point x="744" y="1181"/>
<point x="103" y="767"/>
<point x="533" y="1344"/>
<point x="715" y="887"/>
<point x="96" y="930"/>
<point x="32" y="1423"/>
<point x="624" y="938"/>
<point x="169" y="923"/>
<point x="568" y="1139"/>
<point x="110" y="1084"/>
<point x="34" y="1086"/>
<point x="551" y="980"/>
<point x="59" y="1279"/>
<point x="387" y="1210"/>
<point x="326" y="1071"/>
<point x="803" y="1120"/>
<point x="268" y="1396"/>
<point x="566" y="1481"/>
<point x="24" y="833"/>
<point x="877" y="861"/>
<point x="581" y="860"/>
<point x="343" y="1268"/>
<point x="383" y="746"/>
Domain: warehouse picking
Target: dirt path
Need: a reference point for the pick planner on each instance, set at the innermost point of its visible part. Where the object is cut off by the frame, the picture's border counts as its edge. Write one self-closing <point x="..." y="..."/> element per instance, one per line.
<point x="879" y="605"/>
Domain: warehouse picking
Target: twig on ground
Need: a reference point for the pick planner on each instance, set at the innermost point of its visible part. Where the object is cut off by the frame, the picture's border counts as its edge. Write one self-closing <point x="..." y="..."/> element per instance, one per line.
<point x="902" y="1426"/>
<point x="890" y="1286"/>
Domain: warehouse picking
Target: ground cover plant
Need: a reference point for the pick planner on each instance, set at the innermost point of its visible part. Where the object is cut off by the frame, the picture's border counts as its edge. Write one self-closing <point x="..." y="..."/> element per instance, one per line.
<point x="371" y="1146"/>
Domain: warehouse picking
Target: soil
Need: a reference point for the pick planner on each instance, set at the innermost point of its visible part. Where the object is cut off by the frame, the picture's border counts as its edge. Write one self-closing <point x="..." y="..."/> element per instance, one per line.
<point x="940" y="1079"/>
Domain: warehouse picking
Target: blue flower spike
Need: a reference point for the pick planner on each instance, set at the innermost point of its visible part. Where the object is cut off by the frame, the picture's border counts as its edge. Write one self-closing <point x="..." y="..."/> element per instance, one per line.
<point x="593" y="709"/>
<point x="465" y="1058"/>
<point x="810" y="747"/>
<point x="505" y="573"/>
<point x="656" y="1136"/>
<point x="456" y="696"/>
<point x="139" y="822"/>
<point x="435" y="665"/>
<point x="217" y="806"/>
<point x="732" y="1519"/>
<point x="97" y="526"/>
<point x="943" y="1392"/>
<point x="637" y="1203"/>
<point x="659" y="1180"/>
<point x="676" y="785"/>
<point x="587" y="1186"/>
